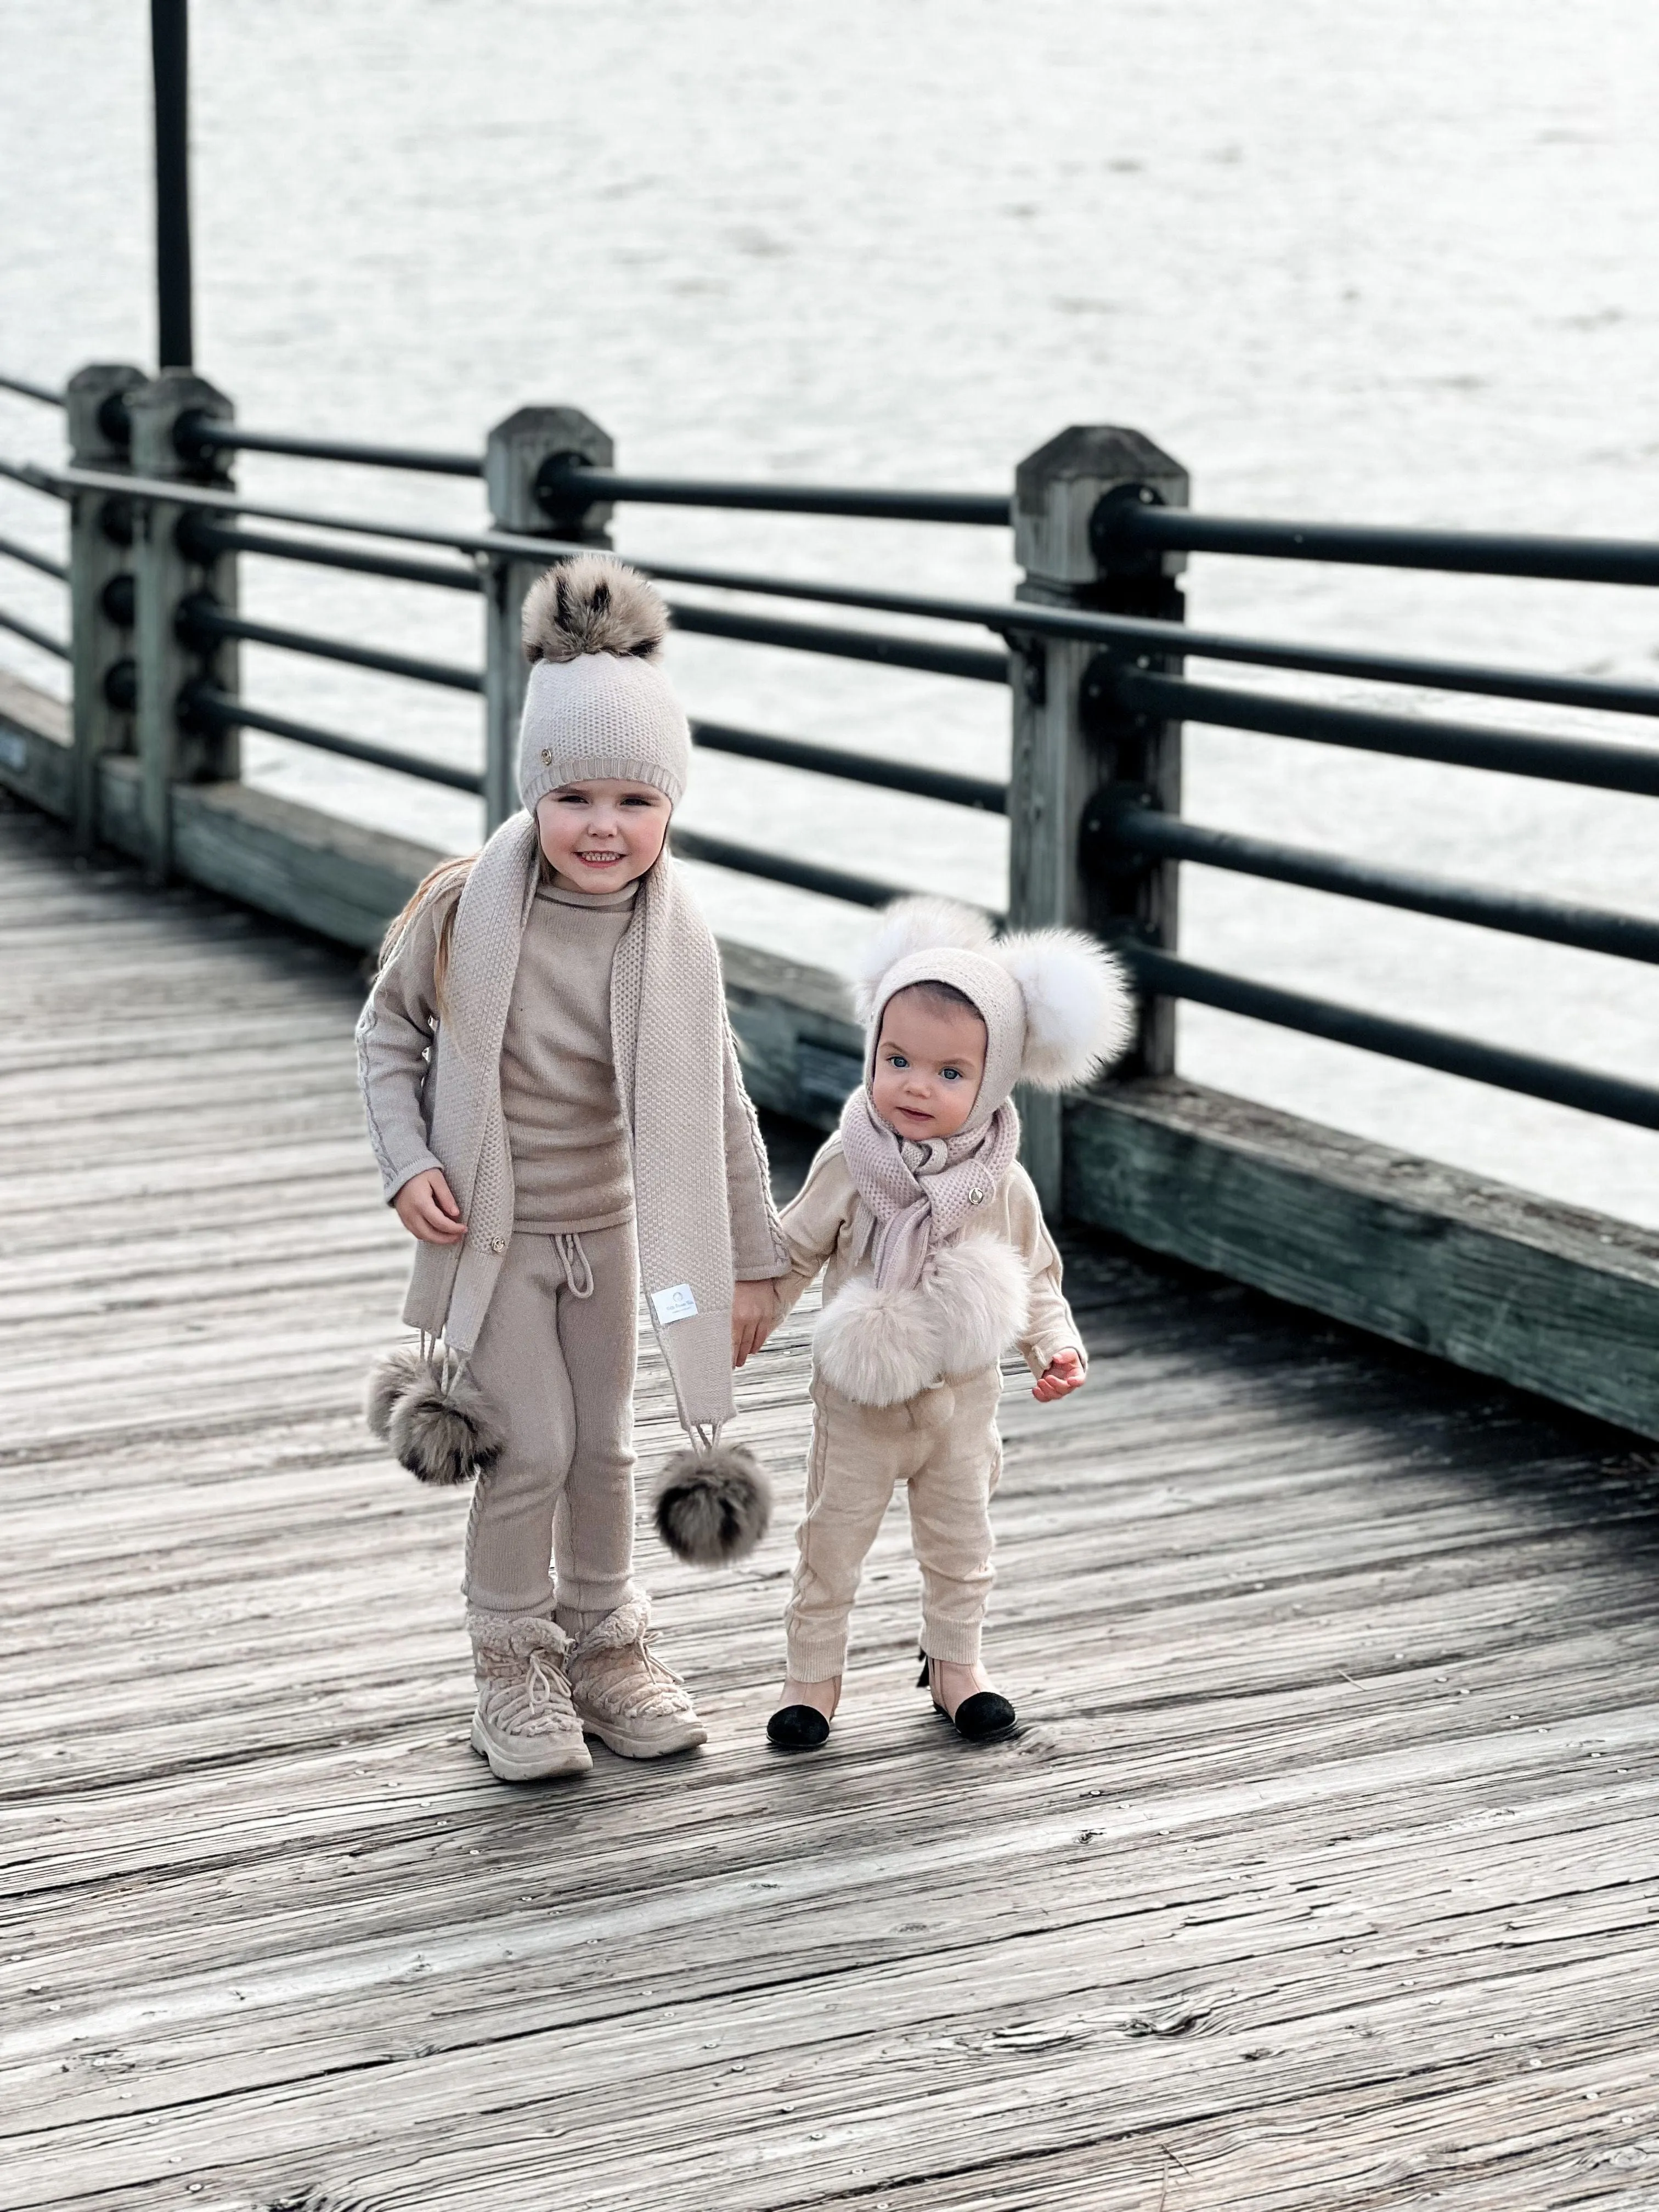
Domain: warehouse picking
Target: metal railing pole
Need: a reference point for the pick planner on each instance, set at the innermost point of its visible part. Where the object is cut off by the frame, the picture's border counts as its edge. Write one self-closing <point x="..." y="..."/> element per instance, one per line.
<point x="518" y="453"/>
<point x="101" y="587"/>
<point x="173" y="745"/>
<point x="1063" y="757"/>
<point x="169" y="30"/>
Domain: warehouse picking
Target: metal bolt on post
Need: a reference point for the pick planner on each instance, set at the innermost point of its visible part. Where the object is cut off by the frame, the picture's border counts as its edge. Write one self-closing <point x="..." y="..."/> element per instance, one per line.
<point x="173" y="747"/>
<point x="100" y="585"/>
<point x="1074" y="758"/>
<point x="521" y="463"/>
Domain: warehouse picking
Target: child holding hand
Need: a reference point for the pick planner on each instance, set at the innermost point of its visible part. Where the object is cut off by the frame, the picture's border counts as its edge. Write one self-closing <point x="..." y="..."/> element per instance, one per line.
<point x="938" y="1261"/>
<point x="553" y="1099"/>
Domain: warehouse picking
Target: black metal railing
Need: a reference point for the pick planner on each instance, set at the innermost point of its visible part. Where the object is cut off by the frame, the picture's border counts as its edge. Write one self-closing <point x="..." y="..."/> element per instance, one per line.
<point x="1146" y="527"/>
<point x="1135" y="678"/>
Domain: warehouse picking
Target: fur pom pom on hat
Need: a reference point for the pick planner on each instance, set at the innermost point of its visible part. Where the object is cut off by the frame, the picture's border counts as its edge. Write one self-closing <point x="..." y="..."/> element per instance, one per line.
<point x="597" y="705"/>
<point x="592" y="604"/>
<point x="1057" y="1006"/>
<point x="712" y="1506"/>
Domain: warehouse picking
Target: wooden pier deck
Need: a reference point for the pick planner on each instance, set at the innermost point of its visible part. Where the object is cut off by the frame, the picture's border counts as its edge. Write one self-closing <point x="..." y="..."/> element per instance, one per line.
<point x="1322" y="1873"/>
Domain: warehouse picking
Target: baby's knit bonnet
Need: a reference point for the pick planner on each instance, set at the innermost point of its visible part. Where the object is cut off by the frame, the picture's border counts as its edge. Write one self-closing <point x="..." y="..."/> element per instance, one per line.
<point x="1055" y="1004"/>
<point x="596" y="704"/>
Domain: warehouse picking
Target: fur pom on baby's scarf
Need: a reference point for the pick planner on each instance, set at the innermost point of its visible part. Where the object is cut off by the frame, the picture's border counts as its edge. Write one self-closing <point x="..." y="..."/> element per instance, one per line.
<point x="881" y="1347"/>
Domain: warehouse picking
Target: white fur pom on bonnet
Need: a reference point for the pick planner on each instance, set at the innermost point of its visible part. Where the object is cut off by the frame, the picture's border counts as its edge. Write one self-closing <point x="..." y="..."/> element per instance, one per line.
<point x="596" y="704"/>
<point x="1056" y="1004"/>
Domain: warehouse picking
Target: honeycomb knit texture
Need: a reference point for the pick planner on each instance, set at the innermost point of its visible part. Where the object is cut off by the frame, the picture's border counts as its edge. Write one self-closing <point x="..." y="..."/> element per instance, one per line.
<point x="601" y="716"/>
<point x="690" y="1119"/>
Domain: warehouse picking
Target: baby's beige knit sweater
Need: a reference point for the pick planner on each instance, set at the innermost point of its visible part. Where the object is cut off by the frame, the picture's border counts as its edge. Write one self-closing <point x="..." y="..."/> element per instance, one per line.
<point x="820" y="1224"/>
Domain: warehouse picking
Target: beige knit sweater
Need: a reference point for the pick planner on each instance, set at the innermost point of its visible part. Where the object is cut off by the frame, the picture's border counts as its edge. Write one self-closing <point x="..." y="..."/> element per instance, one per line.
<point x="566" y="1133"/>
<point x="820" y="1225"/>
<point x="432" y="1090"/>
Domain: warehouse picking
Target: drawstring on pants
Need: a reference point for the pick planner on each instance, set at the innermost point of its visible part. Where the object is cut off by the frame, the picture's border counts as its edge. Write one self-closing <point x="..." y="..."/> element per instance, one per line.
<point x="578" y="1273"/>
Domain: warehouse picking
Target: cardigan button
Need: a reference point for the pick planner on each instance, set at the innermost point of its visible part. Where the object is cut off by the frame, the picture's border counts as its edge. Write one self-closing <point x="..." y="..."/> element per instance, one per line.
<point x="498" y="1245"/>
<point x="976" y="1196"/>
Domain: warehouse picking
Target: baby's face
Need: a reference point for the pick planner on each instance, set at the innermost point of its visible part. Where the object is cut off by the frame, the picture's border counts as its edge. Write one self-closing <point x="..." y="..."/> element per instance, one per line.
<point x="929" y="1063"/>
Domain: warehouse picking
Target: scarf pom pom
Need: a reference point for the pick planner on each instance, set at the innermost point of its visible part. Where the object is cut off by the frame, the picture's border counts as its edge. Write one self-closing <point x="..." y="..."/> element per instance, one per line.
<point x="388" y="1379"/>
<point x="981" y="1293"/>
<point x="712" y="1507"/>
<point x="442" y="1435"/>
<point x="878" y="1347"/>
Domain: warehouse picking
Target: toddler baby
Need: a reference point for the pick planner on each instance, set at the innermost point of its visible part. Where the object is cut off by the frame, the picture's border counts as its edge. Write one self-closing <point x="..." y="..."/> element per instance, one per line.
<point x="938" y="1261"/>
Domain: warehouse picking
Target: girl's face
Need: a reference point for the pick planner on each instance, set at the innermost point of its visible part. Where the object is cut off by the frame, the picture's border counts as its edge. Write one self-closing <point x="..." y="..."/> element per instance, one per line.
<point x="929" y="1061"/>
<point x="598" y="836"/>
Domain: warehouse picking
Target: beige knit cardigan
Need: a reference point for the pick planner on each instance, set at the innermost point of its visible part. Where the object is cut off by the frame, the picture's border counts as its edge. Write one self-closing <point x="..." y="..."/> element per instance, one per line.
<point x="432" y="1090"/>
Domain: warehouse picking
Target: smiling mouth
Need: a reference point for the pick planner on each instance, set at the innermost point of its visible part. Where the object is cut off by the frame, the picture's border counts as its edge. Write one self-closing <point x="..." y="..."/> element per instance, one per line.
<point x="601" y="860"/>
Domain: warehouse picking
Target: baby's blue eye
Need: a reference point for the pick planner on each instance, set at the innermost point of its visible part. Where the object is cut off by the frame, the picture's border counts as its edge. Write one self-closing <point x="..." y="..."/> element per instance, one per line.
<point x="896" y="1059"/>
<point x="952" y="1074"/>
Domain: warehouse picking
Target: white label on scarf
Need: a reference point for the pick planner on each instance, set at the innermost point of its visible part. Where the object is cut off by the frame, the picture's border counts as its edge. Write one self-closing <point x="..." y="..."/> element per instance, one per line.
<point x="677" y="1304"/>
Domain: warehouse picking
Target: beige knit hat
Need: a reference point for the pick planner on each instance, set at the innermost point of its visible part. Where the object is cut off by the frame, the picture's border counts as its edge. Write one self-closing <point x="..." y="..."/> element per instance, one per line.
<point x="596" y="704"/>
<point x="1057" y="1006"/>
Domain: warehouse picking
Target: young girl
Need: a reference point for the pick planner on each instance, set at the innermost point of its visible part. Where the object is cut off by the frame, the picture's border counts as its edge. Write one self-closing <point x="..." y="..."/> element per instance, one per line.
<point x="550" y="1084"/>
<point x="938" y="1261"/>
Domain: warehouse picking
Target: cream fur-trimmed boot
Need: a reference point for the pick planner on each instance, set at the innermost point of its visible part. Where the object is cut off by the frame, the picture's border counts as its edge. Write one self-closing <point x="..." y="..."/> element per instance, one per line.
<point x="524" y="1723"/>
<point x="623" y="1692"/>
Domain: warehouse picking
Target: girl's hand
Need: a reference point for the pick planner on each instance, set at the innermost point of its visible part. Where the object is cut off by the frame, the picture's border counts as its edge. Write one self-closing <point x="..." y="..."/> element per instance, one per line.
<point x="754" y="1317"/>
<point x="1064" y="1373"/>
<point x="426" y="1206"/>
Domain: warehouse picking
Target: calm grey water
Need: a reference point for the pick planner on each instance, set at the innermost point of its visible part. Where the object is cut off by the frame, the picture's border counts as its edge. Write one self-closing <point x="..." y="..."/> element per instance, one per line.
<point x="1393" y="262"/>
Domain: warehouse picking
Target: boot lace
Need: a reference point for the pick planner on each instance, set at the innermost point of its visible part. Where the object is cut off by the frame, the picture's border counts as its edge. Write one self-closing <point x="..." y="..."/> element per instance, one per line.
<point x="633" y="1680"/>
<point x="531" y="1696"/>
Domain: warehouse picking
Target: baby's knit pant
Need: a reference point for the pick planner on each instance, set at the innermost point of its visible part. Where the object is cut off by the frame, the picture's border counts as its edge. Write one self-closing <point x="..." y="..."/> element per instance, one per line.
<point x="944" y="1446"/>
<point x="555" y="1361"/>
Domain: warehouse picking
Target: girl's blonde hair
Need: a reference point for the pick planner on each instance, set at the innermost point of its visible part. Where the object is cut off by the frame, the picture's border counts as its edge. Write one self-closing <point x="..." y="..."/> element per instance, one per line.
<point x="444" y="883"/>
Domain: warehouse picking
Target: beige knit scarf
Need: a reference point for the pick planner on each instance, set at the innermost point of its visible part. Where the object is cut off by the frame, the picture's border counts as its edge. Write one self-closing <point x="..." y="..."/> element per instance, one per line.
<point x="670" y="1037"/>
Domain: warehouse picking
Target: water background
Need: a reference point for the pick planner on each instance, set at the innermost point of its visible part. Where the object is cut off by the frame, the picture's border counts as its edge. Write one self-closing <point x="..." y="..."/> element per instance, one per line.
<point x="1392" y="263"/>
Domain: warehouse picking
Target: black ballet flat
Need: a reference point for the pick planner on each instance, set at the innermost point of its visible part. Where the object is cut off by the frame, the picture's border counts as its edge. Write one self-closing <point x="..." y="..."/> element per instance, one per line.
<point x="984" y="1717"/>
<point x="981" y="1718"/>
<point x="797" y="1728"/>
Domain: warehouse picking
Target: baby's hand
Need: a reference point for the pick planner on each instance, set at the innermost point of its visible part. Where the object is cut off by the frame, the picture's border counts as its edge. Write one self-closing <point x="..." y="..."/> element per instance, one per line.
<point x="426" y="1206"/>
<point x="754" y="1317"/>
<point x="1063" y="1373"/>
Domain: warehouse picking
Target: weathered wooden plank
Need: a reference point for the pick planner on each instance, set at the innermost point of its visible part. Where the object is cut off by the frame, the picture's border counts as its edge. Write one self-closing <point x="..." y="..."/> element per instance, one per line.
<point x="1550" y="1297"/>
<point x="1339" y="1740"/>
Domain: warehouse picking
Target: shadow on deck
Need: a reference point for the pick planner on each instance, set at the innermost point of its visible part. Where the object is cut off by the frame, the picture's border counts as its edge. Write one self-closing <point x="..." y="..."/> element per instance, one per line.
<point x="1321" y="1874"/>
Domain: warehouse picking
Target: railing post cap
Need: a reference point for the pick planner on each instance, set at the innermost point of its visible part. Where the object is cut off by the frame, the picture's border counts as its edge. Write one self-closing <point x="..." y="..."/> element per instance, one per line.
<point x="516" y="449"/>
<point x="1057" y="489"/>
<point x="155" y="409"/>
<point x="93" y="439"/>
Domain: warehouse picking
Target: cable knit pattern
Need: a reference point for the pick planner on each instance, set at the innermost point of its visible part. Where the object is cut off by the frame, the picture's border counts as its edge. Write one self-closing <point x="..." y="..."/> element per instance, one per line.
<point x="701" y="1193"/>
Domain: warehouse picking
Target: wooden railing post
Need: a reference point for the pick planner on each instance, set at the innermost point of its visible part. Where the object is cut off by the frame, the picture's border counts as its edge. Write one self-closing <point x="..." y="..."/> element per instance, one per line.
<point x="1073" y="760"/>
<point x="100" y="586"/>
<point x="173" y="748"/>
<point x="515" y="458"/>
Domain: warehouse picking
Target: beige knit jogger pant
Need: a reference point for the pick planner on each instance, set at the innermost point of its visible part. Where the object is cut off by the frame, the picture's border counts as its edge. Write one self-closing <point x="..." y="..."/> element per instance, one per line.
<point x="944" y="1445"/>
<point x="555" y="1361"/>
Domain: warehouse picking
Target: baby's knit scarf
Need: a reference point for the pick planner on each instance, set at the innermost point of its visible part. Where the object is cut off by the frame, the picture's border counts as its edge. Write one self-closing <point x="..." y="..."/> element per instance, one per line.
<point x="918" y="1197"/>
<point x="938" y="1303"/>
